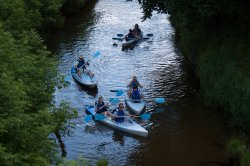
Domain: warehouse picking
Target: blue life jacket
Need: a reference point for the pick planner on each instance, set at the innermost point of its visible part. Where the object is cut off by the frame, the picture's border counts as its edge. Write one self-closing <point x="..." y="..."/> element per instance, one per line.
<point x="80" y="64"/>
<point x="119" y="113"/>
<point x="134" y="84"/>
<point x="135" y="94"/>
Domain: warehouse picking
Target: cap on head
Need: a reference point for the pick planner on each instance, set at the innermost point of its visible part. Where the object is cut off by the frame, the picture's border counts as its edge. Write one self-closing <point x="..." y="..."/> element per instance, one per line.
<point x="136" y="25"/>
<point x="81" y="57"/>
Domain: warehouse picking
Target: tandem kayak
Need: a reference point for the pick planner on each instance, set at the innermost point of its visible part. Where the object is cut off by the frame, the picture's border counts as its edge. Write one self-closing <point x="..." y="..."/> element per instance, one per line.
<point x="137" y="106"/>
<point x="84" y="80"/>
<point x="128" y="126"/>
<point x="130" y="41"/>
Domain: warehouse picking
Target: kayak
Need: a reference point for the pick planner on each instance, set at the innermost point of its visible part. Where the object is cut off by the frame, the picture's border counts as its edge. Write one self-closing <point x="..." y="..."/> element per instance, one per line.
<point x="128" y="125"/>
<point x="130" y="41"/>
<point x="84" y="80"/>
<point x="137" y="106"/>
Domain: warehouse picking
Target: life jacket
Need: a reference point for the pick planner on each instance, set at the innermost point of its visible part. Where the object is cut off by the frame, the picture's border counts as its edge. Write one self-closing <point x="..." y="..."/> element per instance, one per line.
<point x="100" y="105"/>
<point x="135" y="94"/>
<point x="81" y="63"/>
<point x="134" y="85"/>
<point x="119" y="113"/>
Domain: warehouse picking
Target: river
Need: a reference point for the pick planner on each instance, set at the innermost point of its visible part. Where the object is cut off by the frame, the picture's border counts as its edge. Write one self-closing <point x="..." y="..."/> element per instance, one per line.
<point x="183" y="132"/>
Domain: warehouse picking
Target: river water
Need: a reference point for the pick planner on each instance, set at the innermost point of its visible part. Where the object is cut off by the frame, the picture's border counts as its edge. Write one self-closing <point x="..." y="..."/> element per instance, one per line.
<point x="182" y="132"/>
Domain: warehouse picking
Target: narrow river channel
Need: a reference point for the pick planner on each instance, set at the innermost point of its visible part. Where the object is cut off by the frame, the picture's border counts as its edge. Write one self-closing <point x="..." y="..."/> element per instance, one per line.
<point x="183" y="132"/>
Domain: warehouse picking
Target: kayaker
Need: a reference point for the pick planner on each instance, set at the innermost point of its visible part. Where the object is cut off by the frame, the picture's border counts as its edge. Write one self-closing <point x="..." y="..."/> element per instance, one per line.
<point x="100" y="106"/>
<point x="134" y="92"/>
<point x="137" y="31"/>
<point x="129" y="35"/>
<point x="119" y="114"/>
<point x="82" y="64"/>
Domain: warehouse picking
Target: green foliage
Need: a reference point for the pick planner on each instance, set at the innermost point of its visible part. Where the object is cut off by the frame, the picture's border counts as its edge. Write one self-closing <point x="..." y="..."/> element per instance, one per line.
<point x="80" y="161"/>
<point x="28" y="78"/>
<point x="21" y="15"/>
<point x="245" y="158"/>
<point x="102" y="162"/>
<point x="27" y="81"/>
<point x="235" y="147"/>
<point x="149" y="6"/>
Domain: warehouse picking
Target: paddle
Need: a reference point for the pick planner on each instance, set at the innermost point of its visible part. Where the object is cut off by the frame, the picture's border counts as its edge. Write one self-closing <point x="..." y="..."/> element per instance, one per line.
<point x="99" y="117"/>
<point x="95" y="55"/>
<point x="145" y="116"/>
<point x="67" y="79"/>
<point x="87" y="118"/>
<point x="120" y="35"/>
<point x="116" y="90"/>
<point x="119" y="93"/>
<point x="114" y="100"/>
<point x="148" y="34"/>
<point x="157" y="100"/>
<point x="116" y="38"/>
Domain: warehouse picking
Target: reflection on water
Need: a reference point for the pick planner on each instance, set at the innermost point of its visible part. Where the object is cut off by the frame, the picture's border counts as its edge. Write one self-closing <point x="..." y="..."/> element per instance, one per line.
<point x="181" y="131"/>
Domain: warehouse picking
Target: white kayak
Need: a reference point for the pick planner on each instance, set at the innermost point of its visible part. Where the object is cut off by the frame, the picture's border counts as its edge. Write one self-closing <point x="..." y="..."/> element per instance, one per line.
<point x="128" y="125"/>
<point x="137" y="106"/>
<point x="129" y="42"/>
<point x="84" y="80"/>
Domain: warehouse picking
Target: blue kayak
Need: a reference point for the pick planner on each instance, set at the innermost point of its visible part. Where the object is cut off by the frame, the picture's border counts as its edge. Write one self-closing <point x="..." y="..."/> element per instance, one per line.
<point x="84" y="79"/>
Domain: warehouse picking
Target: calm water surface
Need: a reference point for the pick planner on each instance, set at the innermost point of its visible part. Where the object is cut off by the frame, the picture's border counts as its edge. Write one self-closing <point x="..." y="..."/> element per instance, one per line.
<point x="183" y="132"/>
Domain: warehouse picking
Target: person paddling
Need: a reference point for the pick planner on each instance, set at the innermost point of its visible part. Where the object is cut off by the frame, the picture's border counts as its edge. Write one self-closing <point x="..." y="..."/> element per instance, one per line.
<point x="134" y="92"/>
<point x="129" y="35"/>
<point x="137" y="31"/>
<point x="82" y="64"/>
<point x="101" y="107"/>
<point x="119" y="114"/>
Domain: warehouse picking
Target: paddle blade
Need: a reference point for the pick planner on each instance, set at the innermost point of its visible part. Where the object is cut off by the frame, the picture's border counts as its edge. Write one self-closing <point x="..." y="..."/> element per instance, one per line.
<point x="119" y="93"/>
<point x="119" y="35"/>
<point x="117" y="38"/>
<point x="99" y="117"/>
<point x="114" y="100"/>
<point x="87" y="118"/>
<point x="145" y="116"/>
<point x="113" y="90"/>
<point x="150" y="34"/>
<point x="160" y="100"/>
<point x="96" y="54"/>
<point x="67" y="79"/>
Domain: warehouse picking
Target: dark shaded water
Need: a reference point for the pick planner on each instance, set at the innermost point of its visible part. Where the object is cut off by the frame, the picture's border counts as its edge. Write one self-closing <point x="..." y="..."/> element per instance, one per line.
<point x="184" y="132"/>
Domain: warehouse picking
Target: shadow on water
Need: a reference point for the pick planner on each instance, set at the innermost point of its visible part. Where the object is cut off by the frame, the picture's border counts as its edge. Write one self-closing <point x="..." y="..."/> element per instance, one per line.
<point x="90" y="91"/>
<point x="118" y="137"/>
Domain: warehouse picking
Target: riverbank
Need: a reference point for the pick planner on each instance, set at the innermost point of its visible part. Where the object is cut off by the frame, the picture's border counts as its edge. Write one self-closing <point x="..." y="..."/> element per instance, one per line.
<point x="215" y="42"/>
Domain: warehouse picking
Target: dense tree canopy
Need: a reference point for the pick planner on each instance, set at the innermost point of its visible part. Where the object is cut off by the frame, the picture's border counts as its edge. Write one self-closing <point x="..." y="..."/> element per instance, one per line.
<point x="28" y="78"/>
